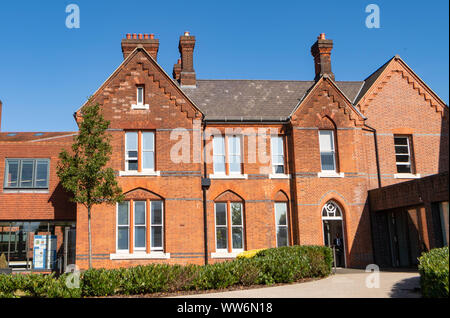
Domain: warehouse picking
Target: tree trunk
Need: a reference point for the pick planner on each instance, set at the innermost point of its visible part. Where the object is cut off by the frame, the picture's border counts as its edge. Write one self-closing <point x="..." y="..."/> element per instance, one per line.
<point x="89" y="237"/>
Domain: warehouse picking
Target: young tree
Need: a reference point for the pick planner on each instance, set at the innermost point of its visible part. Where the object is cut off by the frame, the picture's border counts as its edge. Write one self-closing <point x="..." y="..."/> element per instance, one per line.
<point x="83" y="173"/>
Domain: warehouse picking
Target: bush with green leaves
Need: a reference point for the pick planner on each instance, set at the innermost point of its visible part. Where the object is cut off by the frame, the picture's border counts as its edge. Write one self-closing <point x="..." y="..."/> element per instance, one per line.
<point x="433" y="269"/>
<point x="269" y="266"/>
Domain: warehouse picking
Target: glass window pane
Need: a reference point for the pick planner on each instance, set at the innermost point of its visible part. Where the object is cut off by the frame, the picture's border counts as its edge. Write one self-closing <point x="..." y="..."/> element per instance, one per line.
<point x="12" y="173"/>
<point x="219" y="164"/>
<point x="122" y="238"/>
<point x="221" y="214"/>
<point x="132" y="154"/>
<point x="401" y="149"/>
<point x="122" y="218"/>
<point x="402" y="158"/>
<point x="147" y="141"/>
<point x="139" y="212"/>
<point x="327" y="160"/>
<point x="326" y="140"/>
<point x="139" y="236"/>
<point x="140" y="95"/>
<point x="132" y="140"/>
<point x="235" y="164"/>
<point x="400" y="140"/>
<point x="282" y="236"/>
<point x="404" y="168"/>
<point x="26" y="177"/>
<point x="236" y="213"/>
<point x="132" y="165"/>
<point x="148" y="160"/>
<point x="278" y="169"/>
<point x="156" y="212"/>
<point x="156" y="236"/>
<point x="237" y="237"/>
<point x="281" y="213"/>
<point x="41" y="173"/>
<point x="218" y="145"/>
<point x="234" y="145"/>
<point x="221" y="238"/>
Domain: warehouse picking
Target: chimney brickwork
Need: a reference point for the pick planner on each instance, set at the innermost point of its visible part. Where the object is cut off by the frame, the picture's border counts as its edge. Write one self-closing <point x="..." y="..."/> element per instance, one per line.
<point x="321" y="51"/>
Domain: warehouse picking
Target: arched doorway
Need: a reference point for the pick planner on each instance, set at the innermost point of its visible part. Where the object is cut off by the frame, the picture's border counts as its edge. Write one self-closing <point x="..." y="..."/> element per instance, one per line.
<point x="333" y="230"/>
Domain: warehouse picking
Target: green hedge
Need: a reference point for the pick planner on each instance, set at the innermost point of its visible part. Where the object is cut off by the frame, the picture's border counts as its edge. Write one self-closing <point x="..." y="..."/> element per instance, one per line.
<point x="433" y="268"/>
<point x="269" y="266"/>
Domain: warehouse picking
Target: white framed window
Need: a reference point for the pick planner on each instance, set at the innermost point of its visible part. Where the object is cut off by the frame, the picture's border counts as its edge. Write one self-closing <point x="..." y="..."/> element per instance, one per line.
<point x="234" y="154"/>
<point x="140" y="225"/>
<point x="148" y="151"/>
<point x="131" y="151"/>
<point x="277" y="151"/>
<point x="157" y="225"/>
<point x="327" y="150"/>
<point x="221" y="227"/>
<point x="140" y="95"/>
<point x="281" y="224"/>
<point x="232" y="211"/>
<point x="237" y="227"/>
<point x="403" y="154"/>
<point x="123" y="226"/>
<point x="219" y="154"/>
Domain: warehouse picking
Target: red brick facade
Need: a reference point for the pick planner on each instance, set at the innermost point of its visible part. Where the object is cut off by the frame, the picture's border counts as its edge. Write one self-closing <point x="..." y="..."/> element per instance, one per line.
<point x="397" y="102"/>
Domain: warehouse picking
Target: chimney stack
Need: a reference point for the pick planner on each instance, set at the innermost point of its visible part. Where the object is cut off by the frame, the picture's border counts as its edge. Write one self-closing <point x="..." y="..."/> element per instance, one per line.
<point x="177" y="70"/>
<point x="321" y="51"/>
<point x="186" y="47"/>
<point x="146" y="41"/>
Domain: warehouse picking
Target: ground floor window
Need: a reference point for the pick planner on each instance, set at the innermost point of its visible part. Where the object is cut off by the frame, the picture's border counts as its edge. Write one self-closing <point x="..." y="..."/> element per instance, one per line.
<point x="38" y="245"/>
<point x="140" y="225"/>
<point x="229" y="227"/>
<point x="281" y="223"/>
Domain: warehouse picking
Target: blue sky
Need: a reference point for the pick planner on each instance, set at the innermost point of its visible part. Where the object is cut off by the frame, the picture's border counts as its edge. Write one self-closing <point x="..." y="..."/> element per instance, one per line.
<point x="47" y="70"/>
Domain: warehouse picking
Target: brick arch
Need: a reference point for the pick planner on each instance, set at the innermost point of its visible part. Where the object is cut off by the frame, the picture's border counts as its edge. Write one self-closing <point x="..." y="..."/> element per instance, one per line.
<point x="229" y="196"/>
<point x="281" y="196"/>
<point x="325" y="121"/>
<point x="141" y="193"/>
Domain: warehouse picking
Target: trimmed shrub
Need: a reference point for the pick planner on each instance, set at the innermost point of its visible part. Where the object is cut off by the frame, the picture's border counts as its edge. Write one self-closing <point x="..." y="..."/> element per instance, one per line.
<point x="433" y="268"/>
<point x="268" y="266"/>
<point x="249" y="254"/>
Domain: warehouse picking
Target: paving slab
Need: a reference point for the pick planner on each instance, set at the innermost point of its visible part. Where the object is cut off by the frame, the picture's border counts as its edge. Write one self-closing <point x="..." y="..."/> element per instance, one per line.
<point x="346" y="283"/>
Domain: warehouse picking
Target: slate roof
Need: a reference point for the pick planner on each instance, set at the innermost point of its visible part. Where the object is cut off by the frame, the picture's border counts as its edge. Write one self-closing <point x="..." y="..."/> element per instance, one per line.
<point x="260" y="100"/>
<point x="34" y="136"/>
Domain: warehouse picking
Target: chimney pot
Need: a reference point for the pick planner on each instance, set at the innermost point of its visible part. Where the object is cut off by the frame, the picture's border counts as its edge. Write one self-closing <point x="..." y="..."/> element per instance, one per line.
<point x="140" y="36"/>
<point x="134" y="36"/>
<point x="146" y="36"/>
<point x="152" y="36"/>
<point x="128" y="35"/>
<point x="186" y="33"/>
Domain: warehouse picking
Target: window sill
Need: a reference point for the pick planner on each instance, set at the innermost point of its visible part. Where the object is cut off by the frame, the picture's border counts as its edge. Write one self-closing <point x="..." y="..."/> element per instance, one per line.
<point x="139" y="255"/>
<point x="330" y="175"/>
<point x="407" y="176"/>
<point x="25" y="190"/>
<point x="279" y="176"/>
<point x="225" y="254"/>
<point x="230" y="176"/>
<point x="143" y="107"/>
<point x="139" y="173"/>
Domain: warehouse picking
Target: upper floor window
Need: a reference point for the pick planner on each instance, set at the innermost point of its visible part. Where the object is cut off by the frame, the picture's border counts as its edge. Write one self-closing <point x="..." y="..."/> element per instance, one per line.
<point x="277" y="151"/>
<point x="140" y="95"/>
<point x="227" y="160"/>
<point x="139" y="151"/>
<point x="327" y="150"/>
<point x="403" y="154"/>
<point x="26" y="173"/>
<point x="229" y="227"/>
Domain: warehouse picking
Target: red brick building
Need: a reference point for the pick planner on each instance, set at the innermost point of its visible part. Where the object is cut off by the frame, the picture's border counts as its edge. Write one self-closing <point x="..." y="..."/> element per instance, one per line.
<point x="210" y="168"/>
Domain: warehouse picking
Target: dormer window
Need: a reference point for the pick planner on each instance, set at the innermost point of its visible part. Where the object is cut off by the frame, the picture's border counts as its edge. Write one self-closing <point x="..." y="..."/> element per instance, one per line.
<point x="140" y="98"/>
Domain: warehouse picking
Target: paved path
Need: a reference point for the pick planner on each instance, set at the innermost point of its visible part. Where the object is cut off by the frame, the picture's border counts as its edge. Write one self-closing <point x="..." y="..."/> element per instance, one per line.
<point x="346" y="283"/>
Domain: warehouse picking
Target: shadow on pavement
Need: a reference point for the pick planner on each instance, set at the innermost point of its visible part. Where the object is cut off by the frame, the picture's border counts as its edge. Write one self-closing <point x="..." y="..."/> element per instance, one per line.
<point x="406" y="288"/>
